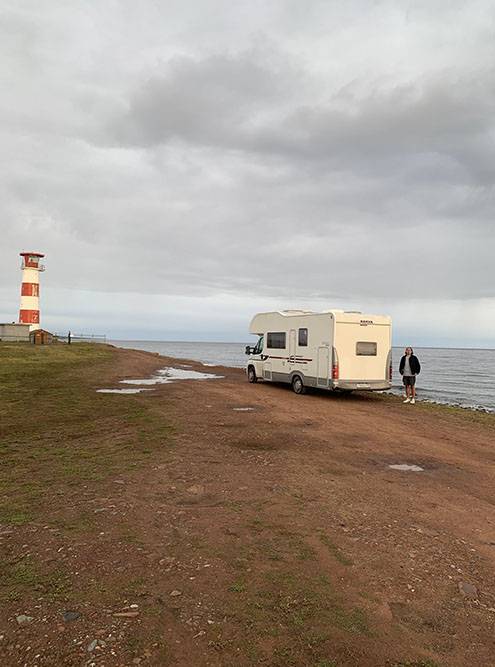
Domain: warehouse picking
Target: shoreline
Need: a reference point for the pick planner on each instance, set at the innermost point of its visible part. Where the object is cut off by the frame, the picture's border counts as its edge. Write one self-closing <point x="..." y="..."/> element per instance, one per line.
<point x="393" y="393"/>
<point x="459" y="389"/>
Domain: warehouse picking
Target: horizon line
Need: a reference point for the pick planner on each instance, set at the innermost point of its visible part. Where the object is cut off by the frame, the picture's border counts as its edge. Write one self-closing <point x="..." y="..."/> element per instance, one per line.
<point x="235" y="342"/>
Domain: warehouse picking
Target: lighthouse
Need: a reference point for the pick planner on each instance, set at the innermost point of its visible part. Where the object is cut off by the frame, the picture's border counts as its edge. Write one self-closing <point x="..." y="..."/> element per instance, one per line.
<point x="30" y="289"/>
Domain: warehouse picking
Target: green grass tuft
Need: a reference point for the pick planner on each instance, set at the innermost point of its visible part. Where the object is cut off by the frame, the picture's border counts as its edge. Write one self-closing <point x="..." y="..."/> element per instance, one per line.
<point x="334" y="549"/>
<point x="237" y="587"/>
<point x="25" y="577"/>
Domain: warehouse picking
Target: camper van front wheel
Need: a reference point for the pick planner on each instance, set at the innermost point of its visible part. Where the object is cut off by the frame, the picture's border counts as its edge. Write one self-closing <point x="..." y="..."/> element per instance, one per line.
<point x="252" y="375"/>
<point x="297" y="385"/>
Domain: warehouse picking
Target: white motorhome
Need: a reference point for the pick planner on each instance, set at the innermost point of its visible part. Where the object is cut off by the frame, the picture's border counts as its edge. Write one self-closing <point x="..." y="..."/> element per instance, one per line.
<point x="333" y="349"/>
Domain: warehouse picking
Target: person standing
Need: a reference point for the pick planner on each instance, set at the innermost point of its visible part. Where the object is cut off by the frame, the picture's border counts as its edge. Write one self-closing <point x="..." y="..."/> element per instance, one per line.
<point x="409" y="367"/>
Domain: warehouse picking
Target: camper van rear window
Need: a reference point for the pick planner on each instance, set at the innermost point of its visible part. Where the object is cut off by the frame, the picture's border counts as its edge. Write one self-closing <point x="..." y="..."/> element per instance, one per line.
<point x="303" y="338"/>
<point x="365" y="349"/>
<point x="276" y="340"/>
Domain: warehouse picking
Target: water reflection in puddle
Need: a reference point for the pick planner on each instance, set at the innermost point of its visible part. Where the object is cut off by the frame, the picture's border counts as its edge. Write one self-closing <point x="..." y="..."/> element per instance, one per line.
<point x="242" y="409"/>
<point x="406" y="467"/>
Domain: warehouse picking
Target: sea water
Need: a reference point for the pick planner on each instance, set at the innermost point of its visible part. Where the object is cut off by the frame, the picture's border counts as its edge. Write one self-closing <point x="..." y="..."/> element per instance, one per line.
<point x="462" y="377"/>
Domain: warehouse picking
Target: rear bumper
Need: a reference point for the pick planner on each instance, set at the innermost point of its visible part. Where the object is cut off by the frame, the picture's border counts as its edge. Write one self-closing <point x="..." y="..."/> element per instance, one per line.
<point x="361" y="385"/>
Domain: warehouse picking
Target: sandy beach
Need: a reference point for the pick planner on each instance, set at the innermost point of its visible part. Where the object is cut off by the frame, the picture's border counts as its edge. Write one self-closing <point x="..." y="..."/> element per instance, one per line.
<point x="215" y="522"/>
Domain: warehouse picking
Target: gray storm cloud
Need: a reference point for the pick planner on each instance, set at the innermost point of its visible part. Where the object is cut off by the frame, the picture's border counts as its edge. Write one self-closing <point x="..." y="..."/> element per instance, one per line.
<point x="251" y="150"/>
<point x="242" y="105"/>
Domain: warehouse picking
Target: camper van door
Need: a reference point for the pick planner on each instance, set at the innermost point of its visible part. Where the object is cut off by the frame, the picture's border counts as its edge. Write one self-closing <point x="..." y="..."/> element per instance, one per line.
<point x="257" y="357"/>
<point x="292" y="345"/>
<point x="323" y="369"/>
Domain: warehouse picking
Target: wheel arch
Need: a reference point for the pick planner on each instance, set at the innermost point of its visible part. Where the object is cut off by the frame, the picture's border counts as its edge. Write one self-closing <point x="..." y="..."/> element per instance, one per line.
<point x="297" y="373"/>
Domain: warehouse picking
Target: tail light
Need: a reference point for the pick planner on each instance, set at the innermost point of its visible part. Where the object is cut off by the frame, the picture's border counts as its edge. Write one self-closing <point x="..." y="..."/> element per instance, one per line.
<point x="389" y="364"/>
<point x="335" y="365"/>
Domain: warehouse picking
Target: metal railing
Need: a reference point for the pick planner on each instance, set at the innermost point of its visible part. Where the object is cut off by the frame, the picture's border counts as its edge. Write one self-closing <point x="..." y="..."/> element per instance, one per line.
<point x="81" y="338"/>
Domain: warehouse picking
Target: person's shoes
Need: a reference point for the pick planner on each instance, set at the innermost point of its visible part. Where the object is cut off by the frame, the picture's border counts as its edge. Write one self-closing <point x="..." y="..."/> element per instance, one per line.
<point x="408" y="400"/>
<point x="413" y="401"/>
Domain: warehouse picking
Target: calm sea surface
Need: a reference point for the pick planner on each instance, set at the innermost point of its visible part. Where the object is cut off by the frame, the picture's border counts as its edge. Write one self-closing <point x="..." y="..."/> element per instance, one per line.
<point x="455" y="376"/>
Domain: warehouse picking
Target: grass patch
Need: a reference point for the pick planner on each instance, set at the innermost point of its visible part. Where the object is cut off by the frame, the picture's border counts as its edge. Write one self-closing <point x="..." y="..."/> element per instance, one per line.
<point x="237" y="587"/>
<point x="15" y="517"/>
<point x="335" y="551"/>
<point x="84" y="522"/>
<point x="302" y="600"/>
<point x="299" y="613"/>
<point x="304" y="551"/>
<point x="129" y="535"/>
<point x="24" y="577"/>
<point x="135" y="586"/>
<point x="58" y="434"/>
<point x="257" y="525"/>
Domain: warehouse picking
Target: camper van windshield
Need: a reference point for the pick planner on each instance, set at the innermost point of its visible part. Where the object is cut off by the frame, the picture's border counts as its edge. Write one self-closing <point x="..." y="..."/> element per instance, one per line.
<point x="258" y="349"/>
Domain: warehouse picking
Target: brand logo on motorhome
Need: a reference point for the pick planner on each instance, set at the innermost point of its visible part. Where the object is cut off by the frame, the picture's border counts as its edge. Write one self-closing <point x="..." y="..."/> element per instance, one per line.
<point x="364" y="323"/>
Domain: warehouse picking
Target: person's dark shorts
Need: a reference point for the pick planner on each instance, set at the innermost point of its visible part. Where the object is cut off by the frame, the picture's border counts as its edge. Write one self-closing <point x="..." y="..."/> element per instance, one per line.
<point x="409" y="380"/>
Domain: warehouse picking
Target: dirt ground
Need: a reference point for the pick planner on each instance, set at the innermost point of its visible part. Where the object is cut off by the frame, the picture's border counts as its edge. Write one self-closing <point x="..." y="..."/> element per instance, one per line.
<point x="268" y="530"/>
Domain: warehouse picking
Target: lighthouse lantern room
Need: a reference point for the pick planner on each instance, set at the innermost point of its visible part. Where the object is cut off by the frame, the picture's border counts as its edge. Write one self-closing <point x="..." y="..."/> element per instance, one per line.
<point x="30" y="289"/>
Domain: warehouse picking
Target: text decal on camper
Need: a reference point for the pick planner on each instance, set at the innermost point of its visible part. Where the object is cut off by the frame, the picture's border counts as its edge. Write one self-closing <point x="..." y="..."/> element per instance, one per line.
<point x="364" y="323"/>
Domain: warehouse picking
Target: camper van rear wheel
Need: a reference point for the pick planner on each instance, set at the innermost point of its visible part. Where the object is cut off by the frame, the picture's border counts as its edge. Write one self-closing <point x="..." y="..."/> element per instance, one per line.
<point x="297" y="385"/>
<point x="252" y="375"/>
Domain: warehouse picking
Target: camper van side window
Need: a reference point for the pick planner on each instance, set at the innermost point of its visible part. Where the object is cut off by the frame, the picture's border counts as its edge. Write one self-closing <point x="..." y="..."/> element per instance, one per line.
<point x="276" y="340"/>
<point x="303" y="338"/>
<point x="366" y="349"/>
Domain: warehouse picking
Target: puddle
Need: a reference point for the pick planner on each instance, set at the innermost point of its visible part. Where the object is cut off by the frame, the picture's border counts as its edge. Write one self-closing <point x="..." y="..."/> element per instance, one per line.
<point x="144" y="381"/>
<point x="167" y="375"/>
<point x="407" y="467"/>
<point x="242" y="409"/>
<point x="205" y="363"/>
<point x="180" y="374"/>
<point x="121" y="391"/>
<point x="163" y="376"/>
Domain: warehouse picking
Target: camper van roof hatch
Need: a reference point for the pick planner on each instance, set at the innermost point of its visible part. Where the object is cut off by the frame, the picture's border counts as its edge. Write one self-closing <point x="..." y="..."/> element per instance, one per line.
<point x="295" y="312"/>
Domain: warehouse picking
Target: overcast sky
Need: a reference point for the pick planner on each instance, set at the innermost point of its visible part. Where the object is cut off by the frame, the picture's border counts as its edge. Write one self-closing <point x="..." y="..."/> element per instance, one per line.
<point x="184" y="164"/>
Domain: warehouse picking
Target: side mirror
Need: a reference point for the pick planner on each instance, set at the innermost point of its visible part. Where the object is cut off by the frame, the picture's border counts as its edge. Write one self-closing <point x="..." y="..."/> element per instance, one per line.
<point x="247" y="350"/>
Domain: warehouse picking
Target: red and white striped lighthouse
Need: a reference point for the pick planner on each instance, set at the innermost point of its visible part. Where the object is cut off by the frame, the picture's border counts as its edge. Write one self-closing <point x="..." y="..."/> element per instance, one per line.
<point x="30" y="289"/>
